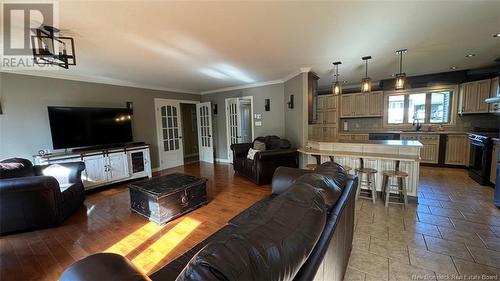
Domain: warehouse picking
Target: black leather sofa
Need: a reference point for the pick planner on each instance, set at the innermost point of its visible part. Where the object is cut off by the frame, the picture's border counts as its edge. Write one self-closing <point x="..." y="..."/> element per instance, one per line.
<point x="260" y="170"/>
<point x="34" y="197"/>
<point x="302" y="231"/>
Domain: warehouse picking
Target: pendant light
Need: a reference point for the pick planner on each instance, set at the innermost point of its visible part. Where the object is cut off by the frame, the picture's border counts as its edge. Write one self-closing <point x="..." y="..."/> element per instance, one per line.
<point x="401" y="76"/>
<point x="336" y="88"/>
<point x="366" y="83"/>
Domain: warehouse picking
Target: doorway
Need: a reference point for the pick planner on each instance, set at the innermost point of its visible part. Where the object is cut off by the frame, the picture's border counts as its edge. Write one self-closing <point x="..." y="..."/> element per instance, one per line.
<point x="184" y="132"/>
<point x="239" y="122"/>
<point x="189" y="133"/>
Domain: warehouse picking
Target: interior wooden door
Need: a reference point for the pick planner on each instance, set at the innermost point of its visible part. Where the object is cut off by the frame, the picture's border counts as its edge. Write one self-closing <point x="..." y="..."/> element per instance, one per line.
<point x="205" y="140"/>
<point x="232" y="124"/>
<point x="169" y="134"/>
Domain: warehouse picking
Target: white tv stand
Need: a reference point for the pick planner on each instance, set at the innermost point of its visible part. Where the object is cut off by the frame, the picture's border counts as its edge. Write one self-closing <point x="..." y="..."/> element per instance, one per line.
<point x="106" y="166"/>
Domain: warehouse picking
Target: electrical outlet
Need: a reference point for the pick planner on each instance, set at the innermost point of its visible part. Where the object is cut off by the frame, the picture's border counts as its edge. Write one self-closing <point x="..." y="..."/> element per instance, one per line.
<point x="357" y="126"/>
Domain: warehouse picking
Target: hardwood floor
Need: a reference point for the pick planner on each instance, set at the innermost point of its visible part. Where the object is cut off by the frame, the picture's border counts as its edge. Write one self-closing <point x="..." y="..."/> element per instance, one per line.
<point x="454" y="230"/>
<point x="106" y="224"/>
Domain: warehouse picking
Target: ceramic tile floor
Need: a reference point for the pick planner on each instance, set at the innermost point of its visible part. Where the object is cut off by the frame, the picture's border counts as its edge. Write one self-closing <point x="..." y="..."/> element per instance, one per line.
<point x="453" y="233"/>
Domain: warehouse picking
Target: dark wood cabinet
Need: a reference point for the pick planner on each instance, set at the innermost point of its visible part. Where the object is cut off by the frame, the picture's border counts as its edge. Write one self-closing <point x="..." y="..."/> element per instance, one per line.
<point x="312" y="97"/>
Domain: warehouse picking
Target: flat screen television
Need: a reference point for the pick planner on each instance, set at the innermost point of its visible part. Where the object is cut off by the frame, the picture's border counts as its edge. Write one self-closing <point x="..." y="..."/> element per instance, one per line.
<point x="88" y="126"/>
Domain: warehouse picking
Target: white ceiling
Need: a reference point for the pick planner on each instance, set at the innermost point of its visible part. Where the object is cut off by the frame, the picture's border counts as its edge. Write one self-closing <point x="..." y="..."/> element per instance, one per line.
<point x="203" y="46"/>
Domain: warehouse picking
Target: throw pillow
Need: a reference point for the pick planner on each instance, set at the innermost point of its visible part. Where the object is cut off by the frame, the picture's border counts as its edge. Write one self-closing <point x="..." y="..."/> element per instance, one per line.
<point x="251" y="153"/>
<point x="258" y="145"/>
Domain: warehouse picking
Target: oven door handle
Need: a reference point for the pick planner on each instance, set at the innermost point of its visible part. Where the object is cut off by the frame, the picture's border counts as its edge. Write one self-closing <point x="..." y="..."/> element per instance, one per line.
<point x="475" y="143"/>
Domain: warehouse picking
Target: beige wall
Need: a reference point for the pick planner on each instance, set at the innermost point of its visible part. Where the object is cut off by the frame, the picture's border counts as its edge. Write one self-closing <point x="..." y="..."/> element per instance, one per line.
<point x="24" y="125"/>
<point x="272" y="121"/>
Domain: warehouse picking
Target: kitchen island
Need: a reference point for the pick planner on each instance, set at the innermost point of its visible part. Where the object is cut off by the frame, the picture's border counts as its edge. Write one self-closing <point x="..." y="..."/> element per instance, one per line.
<point x="381" y="155"/>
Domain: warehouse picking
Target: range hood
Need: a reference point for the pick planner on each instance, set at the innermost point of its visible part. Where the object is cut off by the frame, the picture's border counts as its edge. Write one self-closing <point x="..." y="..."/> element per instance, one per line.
<point x="493" y="100"/>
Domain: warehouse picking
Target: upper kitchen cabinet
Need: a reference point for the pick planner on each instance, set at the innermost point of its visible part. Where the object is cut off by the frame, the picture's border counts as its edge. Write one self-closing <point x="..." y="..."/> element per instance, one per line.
<point x="472" y="96"/>
<point x="312" y="97"/>
<point x="361" y="105"/>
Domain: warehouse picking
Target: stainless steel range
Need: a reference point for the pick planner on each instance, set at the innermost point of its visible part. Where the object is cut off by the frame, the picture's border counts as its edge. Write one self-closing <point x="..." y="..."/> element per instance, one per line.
<point x="480" y="156"/>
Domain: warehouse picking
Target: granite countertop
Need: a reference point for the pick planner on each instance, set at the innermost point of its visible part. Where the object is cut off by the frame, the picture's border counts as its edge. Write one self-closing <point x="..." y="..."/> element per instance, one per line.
<point x="374" y="142"/>
<point x="403" y="132"/>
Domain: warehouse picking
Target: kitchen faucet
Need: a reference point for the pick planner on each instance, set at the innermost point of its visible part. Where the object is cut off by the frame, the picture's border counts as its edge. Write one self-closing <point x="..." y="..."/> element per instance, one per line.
<point x="419" y="125"/>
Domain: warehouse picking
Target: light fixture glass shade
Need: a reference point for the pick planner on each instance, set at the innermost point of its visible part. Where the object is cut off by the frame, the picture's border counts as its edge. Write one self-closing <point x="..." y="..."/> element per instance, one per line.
<point x="366" y="85"/>
<point x="400" y="81"/>
<point x="336" y="88"/>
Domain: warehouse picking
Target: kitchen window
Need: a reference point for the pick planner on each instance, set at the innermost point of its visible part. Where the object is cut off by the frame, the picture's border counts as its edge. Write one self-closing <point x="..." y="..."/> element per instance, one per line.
<point x="426" y="108"/>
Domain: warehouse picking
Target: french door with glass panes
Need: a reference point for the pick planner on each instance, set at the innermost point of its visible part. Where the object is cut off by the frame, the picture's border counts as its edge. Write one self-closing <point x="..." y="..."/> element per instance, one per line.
<point x="169" y="134"/>
<point x="233" y="125"/>
<point x="205" y="140"/>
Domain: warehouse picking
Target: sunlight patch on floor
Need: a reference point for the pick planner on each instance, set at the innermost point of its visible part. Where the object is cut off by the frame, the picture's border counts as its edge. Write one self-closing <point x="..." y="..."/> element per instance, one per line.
<point x="134" y="240"/>
<point x="151" y="256"/>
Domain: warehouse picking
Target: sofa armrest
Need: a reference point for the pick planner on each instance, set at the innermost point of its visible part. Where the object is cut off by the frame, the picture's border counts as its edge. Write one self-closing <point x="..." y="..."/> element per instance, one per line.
<point x="103" y="266"/>
<point x="284" y="177"/>
<point x="28" y="184"/>
<point x="28" y="203"/>
<point x="274" y="154"/>
<point x="65" y="173"/>
<point x="240" y="149"/>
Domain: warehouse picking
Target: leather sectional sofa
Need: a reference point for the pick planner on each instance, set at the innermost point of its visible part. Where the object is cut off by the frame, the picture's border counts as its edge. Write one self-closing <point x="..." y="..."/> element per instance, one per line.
<point x="302" y="231"/>
<point x="41" y="196"/>
<point x="260" y="170"/>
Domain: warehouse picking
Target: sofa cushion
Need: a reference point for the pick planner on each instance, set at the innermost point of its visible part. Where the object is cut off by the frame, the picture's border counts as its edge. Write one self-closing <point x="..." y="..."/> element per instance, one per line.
<point x="258" y="145"/>
<point x="15" y="168"/>
<point x="270" y="244"/>
<point x="325" y="184"/>
<point x="335" y="172"/>
<point x="251" y="153"/>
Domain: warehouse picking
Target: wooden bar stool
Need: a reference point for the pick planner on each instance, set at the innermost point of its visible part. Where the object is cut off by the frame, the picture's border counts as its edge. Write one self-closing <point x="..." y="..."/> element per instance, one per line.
<point x="399" y="187"/>
<point x="368" y="182"/>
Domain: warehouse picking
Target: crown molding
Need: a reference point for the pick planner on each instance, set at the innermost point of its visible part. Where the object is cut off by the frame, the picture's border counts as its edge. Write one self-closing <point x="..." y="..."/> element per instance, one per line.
<point x="115" y="82"/>
<point x="253" y="85"/>
<point x="98" y="80"/>
<point x="259" y="84"/>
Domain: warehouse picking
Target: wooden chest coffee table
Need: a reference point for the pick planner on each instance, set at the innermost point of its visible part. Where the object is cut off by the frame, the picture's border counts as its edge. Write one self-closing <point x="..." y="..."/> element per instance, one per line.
<point x="164" y="198"/>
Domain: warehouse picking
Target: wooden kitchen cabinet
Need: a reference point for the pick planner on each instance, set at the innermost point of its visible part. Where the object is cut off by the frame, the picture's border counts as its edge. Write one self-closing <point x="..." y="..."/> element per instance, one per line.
<point x="326" y="117"/>
<point x="347" y="106"/>
<point x="472" y="96"/>
<point x="457" y="150"/>
<point x="494" y="92"/>
<point x="429" y="153"/>
<point x="355" y="137"/>
<point x="375" y="103"/>
<point x="494" y="160"/>
<point x="361" y="105"/>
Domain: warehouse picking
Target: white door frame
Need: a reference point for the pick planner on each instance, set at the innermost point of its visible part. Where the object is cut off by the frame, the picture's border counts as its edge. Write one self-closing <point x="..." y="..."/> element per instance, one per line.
<point x="159" y="131"/>
<point x="228" y="138"/>
<point x="206" y="153"/>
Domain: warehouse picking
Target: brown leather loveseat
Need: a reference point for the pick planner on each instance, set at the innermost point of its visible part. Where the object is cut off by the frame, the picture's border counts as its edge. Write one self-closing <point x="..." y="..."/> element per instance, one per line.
<point x="260" y="170"/>
<point x="302" y="231"/>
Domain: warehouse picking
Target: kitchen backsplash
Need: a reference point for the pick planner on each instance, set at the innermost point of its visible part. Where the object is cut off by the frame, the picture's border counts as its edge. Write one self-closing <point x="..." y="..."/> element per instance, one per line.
<point x="463" y="123"/>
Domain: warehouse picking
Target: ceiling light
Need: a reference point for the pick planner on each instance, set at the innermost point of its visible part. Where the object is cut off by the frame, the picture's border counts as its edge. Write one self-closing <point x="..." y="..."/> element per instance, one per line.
<point x="453" y="67"/>
<point x="336" y="88"/>
<point x="366" y="83"/>
<point x="470" y="55"/>
<point x="401" y="76"/>
<point x="51" y="48"/>
<point x="496" y="35"/>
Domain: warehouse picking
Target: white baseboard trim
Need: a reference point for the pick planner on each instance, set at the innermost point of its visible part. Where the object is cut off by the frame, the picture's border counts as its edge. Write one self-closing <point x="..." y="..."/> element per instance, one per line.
<point x="222" y="160"/>
<point x="157" y="169"/>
